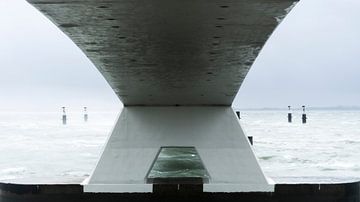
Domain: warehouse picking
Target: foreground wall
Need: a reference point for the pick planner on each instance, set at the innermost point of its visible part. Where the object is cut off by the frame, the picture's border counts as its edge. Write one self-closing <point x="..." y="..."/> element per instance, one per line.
<point x="345" y="192"/>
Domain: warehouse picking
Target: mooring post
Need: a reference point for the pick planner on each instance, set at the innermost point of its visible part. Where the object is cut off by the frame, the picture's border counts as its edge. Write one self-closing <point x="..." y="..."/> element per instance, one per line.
<point x="64" y="116"/>
<point x="289" y="115"/>
<point x="238" y="114"/>
<point x="86" y="116"/>
<point x="303" y="115"/>
<point x="251" y="140"/>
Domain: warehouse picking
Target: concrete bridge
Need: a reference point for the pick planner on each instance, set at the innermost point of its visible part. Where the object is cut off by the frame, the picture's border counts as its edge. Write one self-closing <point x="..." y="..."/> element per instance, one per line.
<point x="177" y="66"/>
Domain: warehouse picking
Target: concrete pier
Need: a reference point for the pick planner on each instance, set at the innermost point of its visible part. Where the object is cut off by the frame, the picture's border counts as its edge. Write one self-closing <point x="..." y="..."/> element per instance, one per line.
<point x="215" y="132"/>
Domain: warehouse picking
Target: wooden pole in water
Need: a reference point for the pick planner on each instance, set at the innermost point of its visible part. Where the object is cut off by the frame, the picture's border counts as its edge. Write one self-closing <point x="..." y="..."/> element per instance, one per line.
<point x="85" y="114"/>
<point x="64" y="116"/>
<point x="238" y="114"/>
<point x="289" y="115"/>
<point x="303" y="115"/>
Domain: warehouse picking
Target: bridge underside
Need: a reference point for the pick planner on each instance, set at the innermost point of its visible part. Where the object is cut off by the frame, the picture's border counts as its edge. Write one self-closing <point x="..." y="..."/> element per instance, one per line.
<point x="169" y="52"/>
<point x="158" y="55"/>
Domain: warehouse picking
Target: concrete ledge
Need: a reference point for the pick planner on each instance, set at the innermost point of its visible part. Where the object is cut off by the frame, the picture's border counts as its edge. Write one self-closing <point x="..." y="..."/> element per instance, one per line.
<point x="228" y="188"/>
<point x="118" y="188"/>
<point x="343" y="192"/>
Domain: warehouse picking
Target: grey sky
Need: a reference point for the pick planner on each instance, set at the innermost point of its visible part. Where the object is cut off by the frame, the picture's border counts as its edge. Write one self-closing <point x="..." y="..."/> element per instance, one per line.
<point x="313" y="58"/>
<point x="42" y="68"/>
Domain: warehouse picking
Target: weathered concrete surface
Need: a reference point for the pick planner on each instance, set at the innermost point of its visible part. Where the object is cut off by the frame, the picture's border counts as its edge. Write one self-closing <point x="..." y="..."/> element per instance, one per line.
<point x="169" y="52"/>
<point x="165" y="53"/>
<point x="215" y="132"/>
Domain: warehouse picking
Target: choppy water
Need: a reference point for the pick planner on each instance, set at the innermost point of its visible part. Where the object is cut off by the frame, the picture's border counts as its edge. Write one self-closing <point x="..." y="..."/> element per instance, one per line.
<point x="178" y="162"/>
<point x="36" y="147"/>
<point x="327" y="148"/>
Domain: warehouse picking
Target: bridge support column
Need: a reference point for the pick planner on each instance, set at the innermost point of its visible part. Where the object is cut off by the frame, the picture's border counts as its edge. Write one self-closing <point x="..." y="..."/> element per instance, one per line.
<point x="215" y="132"/>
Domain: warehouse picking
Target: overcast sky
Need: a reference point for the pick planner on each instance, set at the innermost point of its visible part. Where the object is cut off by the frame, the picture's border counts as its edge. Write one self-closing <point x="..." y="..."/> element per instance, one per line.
<point x="312" y="59"/>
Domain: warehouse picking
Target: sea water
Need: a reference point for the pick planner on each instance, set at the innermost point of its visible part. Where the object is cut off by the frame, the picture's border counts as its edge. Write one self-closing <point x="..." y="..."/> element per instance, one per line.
<point x="38" y="148"/>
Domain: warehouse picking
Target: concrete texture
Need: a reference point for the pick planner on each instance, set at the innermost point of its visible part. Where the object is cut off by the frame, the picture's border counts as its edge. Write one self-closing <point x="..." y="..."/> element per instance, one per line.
<point x="172" y="53"/>
<point x="215" y="132"/>
<point x="169" y="52"/>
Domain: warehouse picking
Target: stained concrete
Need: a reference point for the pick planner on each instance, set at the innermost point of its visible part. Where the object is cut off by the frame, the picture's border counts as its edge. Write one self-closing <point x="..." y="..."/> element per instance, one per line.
<point x="169" y="52"/>
<point x="215" y="132"/>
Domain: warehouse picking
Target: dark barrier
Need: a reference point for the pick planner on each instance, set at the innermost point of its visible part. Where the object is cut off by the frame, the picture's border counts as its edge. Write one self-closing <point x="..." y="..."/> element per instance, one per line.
<point x="345" y="192"/>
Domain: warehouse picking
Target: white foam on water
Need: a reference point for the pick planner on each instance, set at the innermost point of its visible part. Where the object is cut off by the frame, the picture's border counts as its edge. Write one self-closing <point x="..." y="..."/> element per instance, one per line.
<point x="36" y="147"/>
<point x="325" y="148"/>
<point x="43" y="148"/>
